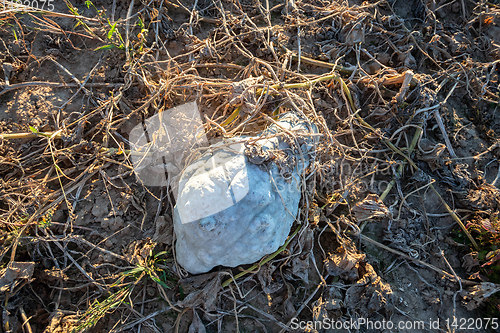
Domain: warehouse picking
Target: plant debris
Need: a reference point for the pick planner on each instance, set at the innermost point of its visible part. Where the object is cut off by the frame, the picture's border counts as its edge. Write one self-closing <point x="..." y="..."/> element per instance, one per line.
<point x="399" y="213"/>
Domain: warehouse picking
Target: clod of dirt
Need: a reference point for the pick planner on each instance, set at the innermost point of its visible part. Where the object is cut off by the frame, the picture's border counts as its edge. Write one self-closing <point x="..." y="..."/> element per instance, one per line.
<point x="100" y="208"/>
<point x="235" y="221"/>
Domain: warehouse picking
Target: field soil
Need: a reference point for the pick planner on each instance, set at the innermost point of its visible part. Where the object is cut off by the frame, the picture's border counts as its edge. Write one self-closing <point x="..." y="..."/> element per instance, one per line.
<point x="399" y="220"/>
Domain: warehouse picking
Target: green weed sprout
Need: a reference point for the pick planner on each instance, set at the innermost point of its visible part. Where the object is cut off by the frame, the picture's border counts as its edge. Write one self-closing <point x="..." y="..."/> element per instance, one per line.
<point x="97" y="310"/>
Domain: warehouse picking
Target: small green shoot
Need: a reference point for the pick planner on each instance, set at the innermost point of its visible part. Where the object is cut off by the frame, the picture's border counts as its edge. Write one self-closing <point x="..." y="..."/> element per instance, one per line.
<point x="46" y="220"/>
<point x="150" y="268"/>
<point x="117" y="42"/>
<point x="74" y="11"/>
<point x="98" y="310"/>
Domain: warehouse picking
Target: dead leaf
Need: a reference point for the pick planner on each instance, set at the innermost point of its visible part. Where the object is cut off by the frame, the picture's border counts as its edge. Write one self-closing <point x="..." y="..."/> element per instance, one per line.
<point x="164" y="232"/>
<point x="52" y="275"/>
<point x="470" y="261"/>
<point x="289" y="307"/>
<point x="15" y="272"/>
<point x="300" y="268"/>
<point x="431" y="153"/>
<point x="369" y="208"/>
<point x="484" y="197"/>
<point x="314" y="214"/>
<point x="486" y="223"/>
<point x="477" y="294"/>
<point x="268" y="283"/>
<point x="355" y="34"/>
<point x="344" y="262"/>
<point x="478" y="276"/>
<point x="300" y="264"/>
<point x="206" y="297"/>
<point x="197" y="281"/>
<point x="334" y="305"/>
<point x="379" y="111"/>
<point x="369" y="294"/>
<point x="196" y="325"/>
<point x="492" y="257"/>
<point x="61" y="322"/>
<point x="139" y="251"/>
<point x="320" y="312"/>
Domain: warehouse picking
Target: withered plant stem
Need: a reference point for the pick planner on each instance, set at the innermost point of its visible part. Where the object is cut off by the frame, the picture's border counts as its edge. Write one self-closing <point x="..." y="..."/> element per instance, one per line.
<point x="28" y="135"/>
<point x="410" y="161"/>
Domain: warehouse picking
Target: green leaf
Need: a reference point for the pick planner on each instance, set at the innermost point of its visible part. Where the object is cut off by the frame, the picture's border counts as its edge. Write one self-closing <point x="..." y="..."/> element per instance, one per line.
<point x="140" y="23"/>
<point x="34" y="130"/>
<point x="113" y="28"/>
<point x="163" y="284"/>
<point x="105" y="47"/>
<point x="134" y="271"/>
<point x="160" y="254"/>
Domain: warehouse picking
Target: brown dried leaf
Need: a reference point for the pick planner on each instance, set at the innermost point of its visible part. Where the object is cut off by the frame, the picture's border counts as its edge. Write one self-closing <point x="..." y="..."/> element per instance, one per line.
<point x="314" y="214"/>
<point x="138" y="251"/>
<point x="344" y="262"/>
<point x="369" y="208"/>
<point x="320" y="312"/>
<point x="470" y="261"/>
<point x="14" y="272"/>
<point x="206" y="297"/>
<point x="478" y="294"/>
<point x="197" y="281"/>
<point x="355" y="34"/>
<point x="486" y="223"/>
<point x="52" y="275"/>
<point x="289" y="307"/>
<point x="196" y="325"/>
<point x="431" y="153"/>
<point x="265" y="276"/>
<point x="369" y="294"/>
<point x="379" y="111"/>
<point x="164" y="232"/>
<point x="60" y="322"/>
<point x="479" y="276"/>
<point x="300" y="268"/>
<point x="484" y="197"/>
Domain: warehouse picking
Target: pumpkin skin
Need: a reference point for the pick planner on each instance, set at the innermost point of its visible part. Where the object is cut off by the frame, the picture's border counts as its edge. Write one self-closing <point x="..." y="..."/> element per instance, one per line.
<point x="230" y="211"/>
